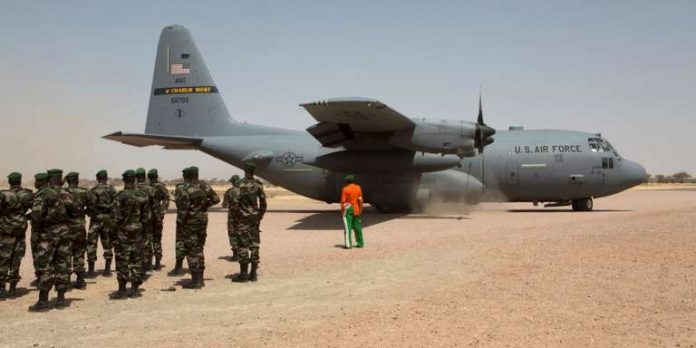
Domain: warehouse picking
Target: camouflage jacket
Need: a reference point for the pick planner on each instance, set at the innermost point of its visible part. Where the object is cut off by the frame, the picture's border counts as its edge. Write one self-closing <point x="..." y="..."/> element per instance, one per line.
<point x="84" y="200"/>
<point x="251" y="202"/>
<point x="103" y="195"/>
<point x="52" y="206"/>
<point x="196" y="198"/>
<point x="179" y="201"/>
<point x="131" y="210"/>
<point x="161" y="199"/>
<point x="14" y="204"/>
<point x="231" y="194"/>
<point x="150" y="193"/>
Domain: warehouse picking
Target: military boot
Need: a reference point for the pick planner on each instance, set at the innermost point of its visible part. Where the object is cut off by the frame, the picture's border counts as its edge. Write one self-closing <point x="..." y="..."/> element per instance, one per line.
<point x="107" y="268"/>
<point x="201" y="282"/>
<point x="121" y="292"/>
<point x="134" y="290"/>
<point x="243" y="276"/>
<point x="90" y="270"/>
<point x="3" y="292"/>
<point x="178" y="268"/>
<point x="195" y="282"/>
<point x="13" y="290"/>
<point x="80" y="281"/>
<point x="252" y="274"/>
<point x="60" y="301"/>
<point x="42" y="304"/>
<point x="158" y="263"/>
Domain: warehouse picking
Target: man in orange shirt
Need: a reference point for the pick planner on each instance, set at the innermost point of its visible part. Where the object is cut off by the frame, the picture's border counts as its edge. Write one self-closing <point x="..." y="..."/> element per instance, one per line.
<point x="351" y="209"/>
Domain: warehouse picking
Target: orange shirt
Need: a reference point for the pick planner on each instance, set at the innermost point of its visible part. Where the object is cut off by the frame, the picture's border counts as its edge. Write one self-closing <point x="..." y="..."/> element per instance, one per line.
<point x="352" y="194"/>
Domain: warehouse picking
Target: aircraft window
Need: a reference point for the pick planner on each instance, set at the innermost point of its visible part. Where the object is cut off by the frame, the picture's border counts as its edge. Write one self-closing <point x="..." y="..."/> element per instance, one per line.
<point x="605" y="163"/>
<point x="594" y="147"/>
<point x="611" y="163"/>
<point x="185" y="56"/>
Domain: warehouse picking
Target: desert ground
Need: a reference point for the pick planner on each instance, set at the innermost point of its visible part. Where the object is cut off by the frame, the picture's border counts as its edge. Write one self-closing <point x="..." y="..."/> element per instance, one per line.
<point x="516" y="275"/>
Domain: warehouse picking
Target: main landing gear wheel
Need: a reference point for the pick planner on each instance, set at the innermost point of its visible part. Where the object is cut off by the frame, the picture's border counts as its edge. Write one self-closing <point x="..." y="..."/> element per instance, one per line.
<point x="585" y="204"/>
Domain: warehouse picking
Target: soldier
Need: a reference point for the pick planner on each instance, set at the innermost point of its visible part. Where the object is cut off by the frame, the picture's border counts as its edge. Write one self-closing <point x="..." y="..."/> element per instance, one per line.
<point x="231" y="195"/>
<point x="50" y="211"/>
<point x="83" y="200"/>
<point x="196" y="199"/>
<point x="250" y="206"/>
<point x="40" y="184"/>
<point x="100" y="226"/>
<point x="161" y="204"/>
<point x="131" y="213"/>
<point x="147" y="228"/>
<point x="180" y="249"/>
<point x="14" y="204"/>
<point x="351" y="209"/>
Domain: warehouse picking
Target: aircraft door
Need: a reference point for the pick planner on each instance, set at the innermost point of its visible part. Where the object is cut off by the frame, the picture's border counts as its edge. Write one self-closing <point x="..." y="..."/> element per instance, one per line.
<point x="512" y="172"/>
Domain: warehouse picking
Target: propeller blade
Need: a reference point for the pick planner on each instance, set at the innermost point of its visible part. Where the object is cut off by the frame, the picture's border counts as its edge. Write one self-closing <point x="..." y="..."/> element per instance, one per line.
<point x="480" y="112"/>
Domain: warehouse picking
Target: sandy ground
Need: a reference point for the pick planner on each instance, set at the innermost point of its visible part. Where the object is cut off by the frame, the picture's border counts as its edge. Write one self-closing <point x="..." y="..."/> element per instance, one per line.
<point x="503" y="275"/>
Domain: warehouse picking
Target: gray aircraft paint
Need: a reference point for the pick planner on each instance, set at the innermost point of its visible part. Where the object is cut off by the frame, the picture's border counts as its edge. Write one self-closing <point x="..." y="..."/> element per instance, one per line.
<point x="187" y="112"/>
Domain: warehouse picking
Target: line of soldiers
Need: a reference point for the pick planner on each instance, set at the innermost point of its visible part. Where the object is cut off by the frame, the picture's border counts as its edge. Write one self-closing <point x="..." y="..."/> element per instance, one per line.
<point x="129" y="222"/>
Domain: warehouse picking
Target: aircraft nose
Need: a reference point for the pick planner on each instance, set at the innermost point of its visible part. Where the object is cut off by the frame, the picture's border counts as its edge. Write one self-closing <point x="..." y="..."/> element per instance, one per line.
<point x="634" y="173"/>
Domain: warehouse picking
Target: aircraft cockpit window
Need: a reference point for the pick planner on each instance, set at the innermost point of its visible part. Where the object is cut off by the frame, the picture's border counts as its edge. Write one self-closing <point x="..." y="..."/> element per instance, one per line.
<point x="595" y="147"/>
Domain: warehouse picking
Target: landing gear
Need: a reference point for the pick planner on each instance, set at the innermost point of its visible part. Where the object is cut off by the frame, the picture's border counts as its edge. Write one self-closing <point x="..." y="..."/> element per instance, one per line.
<point x="585" y="204"/>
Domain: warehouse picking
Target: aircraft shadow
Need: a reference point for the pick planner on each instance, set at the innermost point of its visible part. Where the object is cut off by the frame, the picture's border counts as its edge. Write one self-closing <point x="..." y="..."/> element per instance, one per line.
<point x="331" y="220"/>
<point x="569" y="211"/>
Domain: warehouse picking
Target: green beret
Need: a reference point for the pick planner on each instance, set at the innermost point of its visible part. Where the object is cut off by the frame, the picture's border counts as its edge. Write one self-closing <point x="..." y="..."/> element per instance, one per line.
<point x="102" y="173"/>
<point x="193" y="170"/>
<point x="14" y="176"/>
<point x="40" y="176"/>
<point x="234" y="178"/>
<point x="140" y="172"/>
<point x="54" y="172"/>
<point x="72" y="175"/>
<point x="249" y="165"/>
<point x="152" y="172"/>
<point x="350" y="177"/>
<point x="128" y="173"/>
<point x="186" y="170"/>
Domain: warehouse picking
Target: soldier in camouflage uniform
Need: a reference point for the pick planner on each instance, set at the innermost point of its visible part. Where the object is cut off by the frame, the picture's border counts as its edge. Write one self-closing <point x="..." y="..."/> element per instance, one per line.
<point x="180" y="248"/>
<point x="231" y="195"/>
<point x="78" y="237"/>
<point x="100" y="225"/>
<point x="147" y="228"/>
<point x="14" y="204"/>
<point x="196" y="199"/>
<point x="249" y="208"/>
<point x="160" y="206"/>
<point x="51" y="211"/>
<point x="131" y="213"/>
<point x="40" y="184"/>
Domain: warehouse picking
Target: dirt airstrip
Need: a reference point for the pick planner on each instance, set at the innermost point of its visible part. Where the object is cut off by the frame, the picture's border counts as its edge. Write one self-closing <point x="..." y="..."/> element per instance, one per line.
<point x="502" y="275"/>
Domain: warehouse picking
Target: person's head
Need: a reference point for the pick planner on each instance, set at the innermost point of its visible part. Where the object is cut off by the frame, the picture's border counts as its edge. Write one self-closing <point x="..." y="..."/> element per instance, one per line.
<point x="55" y="177"/>
<point x="140" y="174"/>
<point x="350" y="179"/>
<point x="40" y="180"/>
<point x="193" y="172"/>
<point x="235" y="180"/>
<point x="102" y="176"/>
<point x="249" y="169"/>
<point x="14" y="179"/>
<point x="73" y="178"/>
<point x="152" y="175"/>
<point x="186" y="174"/>
<point x="128" y="177"/>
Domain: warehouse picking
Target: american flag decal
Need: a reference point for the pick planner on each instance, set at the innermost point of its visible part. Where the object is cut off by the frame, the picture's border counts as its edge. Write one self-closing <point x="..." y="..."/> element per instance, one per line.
<point x="179" y="69"/>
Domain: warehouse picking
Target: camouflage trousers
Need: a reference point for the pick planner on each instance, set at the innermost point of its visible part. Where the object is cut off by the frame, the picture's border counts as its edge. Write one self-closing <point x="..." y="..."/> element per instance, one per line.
<point x="157" y="238"/>
<point x="231" y="235"/>
<point x="195" y="235"/>
<point x="249" y="240"/>
<point x="53" y="254"/>
<point x="100" y="228"/>
<point x="78" y="245"/>
<point x="129" y="262"/>
<point x="34" y="241"/>
<point x="12" y="249"/>
<point x="147" y="242"/>
<point x="179" y="246"/>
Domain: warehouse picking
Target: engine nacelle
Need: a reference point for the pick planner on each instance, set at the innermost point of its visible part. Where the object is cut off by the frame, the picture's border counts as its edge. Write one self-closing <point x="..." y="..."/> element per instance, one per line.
<point x="445" y="137"/>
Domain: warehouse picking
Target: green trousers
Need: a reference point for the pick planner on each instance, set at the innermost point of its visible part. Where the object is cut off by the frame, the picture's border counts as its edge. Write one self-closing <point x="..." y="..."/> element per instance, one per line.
<point x="352" y="223"/>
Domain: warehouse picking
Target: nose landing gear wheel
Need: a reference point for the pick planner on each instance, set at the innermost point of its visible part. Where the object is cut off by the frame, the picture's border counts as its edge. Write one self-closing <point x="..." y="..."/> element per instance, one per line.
<point x="585" y="204"/>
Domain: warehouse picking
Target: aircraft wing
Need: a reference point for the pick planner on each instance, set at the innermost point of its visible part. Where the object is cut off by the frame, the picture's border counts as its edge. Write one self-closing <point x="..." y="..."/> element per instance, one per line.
<point x="344" y="120"/>
<point x="167" y="141"/>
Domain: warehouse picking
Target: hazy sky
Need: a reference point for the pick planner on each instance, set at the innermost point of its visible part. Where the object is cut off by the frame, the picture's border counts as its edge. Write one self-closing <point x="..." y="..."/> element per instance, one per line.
<point x="73" y="71"/>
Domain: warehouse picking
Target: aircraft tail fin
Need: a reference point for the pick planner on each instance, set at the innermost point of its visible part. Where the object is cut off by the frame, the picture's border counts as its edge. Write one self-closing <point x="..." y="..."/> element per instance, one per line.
<point x="184" y="99"/>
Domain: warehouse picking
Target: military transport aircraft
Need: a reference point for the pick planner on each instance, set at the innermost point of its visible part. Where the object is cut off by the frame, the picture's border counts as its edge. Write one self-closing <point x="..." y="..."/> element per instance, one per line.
<point x="401" y="163"/>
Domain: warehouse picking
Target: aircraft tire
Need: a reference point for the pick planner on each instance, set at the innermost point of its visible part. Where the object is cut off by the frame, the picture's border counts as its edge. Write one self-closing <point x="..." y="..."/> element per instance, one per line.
<point x="585" y="204"/>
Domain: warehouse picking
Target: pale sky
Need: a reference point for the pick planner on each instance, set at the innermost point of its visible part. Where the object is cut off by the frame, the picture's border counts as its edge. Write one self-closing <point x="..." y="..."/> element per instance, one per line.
<point x="73" y="71"/>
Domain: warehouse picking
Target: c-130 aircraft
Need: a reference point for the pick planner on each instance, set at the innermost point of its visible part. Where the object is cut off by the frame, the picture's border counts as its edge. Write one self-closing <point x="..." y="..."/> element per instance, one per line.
<point x="401" y="163"/>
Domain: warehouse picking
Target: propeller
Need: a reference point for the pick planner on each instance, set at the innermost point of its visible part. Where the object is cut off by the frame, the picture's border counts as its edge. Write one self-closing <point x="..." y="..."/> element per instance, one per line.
<point x="483" y="133"/>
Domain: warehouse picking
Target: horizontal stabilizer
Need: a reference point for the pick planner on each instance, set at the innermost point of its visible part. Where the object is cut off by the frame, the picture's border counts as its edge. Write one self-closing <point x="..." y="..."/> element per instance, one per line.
<point x="167" y="141"/>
